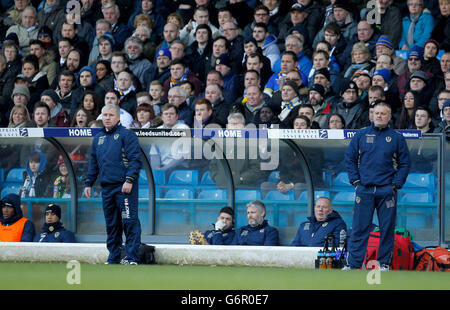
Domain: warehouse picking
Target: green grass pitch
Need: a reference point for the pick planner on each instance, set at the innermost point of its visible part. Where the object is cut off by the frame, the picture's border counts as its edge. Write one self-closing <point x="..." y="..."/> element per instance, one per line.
<point x="50" y="276"/>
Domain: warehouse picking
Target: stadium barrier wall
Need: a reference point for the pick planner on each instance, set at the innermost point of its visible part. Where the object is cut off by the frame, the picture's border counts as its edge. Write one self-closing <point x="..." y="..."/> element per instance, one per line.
<point x="165" y="254"/>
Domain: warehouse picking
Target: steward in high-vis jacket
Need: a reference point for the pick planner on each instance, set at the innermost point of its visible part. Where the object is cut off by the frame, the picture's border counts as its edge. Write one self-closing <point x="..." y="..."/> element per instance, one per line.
<point x="314" y="231"/>
<point x="378" y="163"/>
<point x="116" y="160"/>
<point x="53" y="230"/>
<point x="13" y="226"/>
<point x="258" y="231"/>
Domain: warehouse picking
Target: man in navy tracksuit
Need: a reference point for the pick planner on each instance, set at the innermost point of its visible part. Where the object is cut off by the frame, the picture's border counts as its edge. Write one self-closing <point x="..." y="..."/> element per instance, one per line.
<point x="324" y="222"/>
<point x="378" y="163"/>
<point x="223" y="232"/>
<point x="53" y="230"/>
<point x="116" y="160"/>
<point x="258" y="231"/>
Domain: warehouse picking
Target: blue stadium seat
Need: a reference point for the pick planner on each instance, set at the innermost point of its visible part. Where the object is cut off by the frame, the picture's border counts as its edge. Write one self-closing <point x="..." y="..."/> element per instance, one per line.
<point x="274" y="177"/>
<point x="276" y="195"/>
<point x="15" y="175"/>
<point x="425" y="181"/>
<point x="416" y="197"/>
<point x="344" y="197"/>
<point x="213" y="194"/>
<point x="180" y="194"/>
<point x="143" y="177"/>
<point x="341" y="181"/>
<point x="206" y="179"/>
<point x="183" y="177"/>
<point x="10" y="189"/>
<point x="247" y="194"/>
<point x="143" y="191"/>
<point x="303" y="197"/>
<point x="403" y="54"/>
<point x="159" y="176"/>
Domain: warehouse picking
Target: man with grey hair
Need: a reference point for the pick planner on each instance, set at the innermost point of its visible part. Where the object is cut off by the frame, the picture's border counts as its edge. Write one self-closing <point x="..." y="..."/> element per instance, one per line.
<point x="27" y="30"/>
<point x="258" y="231"/>
<point x="137" y="63"/>
<point x="145" y="35"/>
<point x="120" y="31"/>
<point x="221" y="108"/>
<point x="116" y="159"/>
<point x="177" y="96"/>
<point x="294" y="44"/>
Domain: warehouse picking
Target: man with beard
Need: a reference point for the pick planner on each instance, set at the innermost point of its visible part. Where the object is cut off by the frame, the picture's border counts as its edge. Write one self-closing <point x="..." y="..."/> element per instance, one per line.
<point x="321" y="107"/>
<point x="350" y="107"/>
<point x="258" y="231"/>
<point x="138" y="64"/>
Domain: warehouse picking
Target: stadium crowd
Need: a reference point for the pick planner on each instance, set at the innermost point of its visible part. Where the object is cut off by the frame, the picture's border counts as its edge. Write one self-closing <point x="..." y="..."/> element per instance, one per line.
<point x="265" y="59"/>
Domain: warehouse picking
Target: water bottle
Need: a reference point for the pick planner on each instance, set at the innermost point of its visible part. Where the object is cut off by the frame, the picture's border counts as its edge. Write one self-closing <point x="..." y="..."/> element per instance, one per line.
<point x="342" y="236"/>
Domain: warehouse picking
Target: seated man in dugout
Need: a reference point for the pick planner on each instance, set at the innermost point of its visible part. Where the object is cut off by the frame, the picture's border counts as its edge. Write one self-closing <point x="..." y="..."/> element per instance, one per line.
<point x="13" y="226"/>
<point x="53" y="229"/>
<point x="222" y="233"/>
<point x="316" y="229"/>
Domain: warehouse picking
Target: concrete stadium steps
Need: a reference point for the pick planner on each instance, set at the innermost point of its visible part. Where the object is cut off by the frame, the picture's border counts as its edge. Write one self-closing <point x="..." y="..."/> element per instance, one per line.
<point x="166" y="254"/>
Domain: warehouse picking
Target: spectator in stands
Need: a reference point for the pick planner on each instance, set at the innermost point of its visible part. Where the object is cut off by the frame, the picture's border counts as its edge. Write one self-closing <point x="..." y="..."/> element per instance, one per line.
<point x="36" y="178"/>
<point x="301" y="122"/>
<point x="77" y="35"/>
<point x="443" y="126"/>
<point x="27" y="30"/>
<point x="64" y="47"/>
<point x="256" y="61"/>
<point x="382" y="78"/>
<point x="405" y="118"/>
<point x="105" y="78"/>
<point x="322" y="108"/>
<point x="391" y="19"/>
<point x="20" y="95"/>
<point x="145" y="117"/>
<point x="197" y="53"/>
<point x="336" y="121"/>
<point x="220" y="46"/>
<point x="59" y="117"/>
<point x="423" y="120"/>
<point x="61" y="185"/>
<point x="343" y="17"/>
<point x="102" y="26"/>
<point x="46" y="60"/>
<point x="436" y="107"/>
<point x="289" y="63"/>
<point x="430" y="62"/>
<point x="333" y="36"/>
<point x="415" y="63"/>
<point x="289" y="95"/>
<point x="120" y="31"/>
<point x="204" y="115"/>
<point x="148" y="46"/>
<point x="322" y="77"/>
<point x="360" y="60"/>
<point x="74" y="61"/>
<point x="267" y="42"/>
<point x="137" y="63"/>
<point x="258" y="231"/>
<point x="223" y="65"/>
<point x="350" y="107"/>
<point x="81" y="118"/>
<point x="92" y="103"/>
<point x="149" y="8"/>
<point x="160" y="69"/>
<point x="421" y="82"/>
<point x="13" y="67"/>
<point x="19" y="116"/>
<point x="13" y="226"/>
<point x="261" y="15"/>
<point x="441" y="30"/>
<point x="127" y="92"/>
<point x="220" y="108"/>
<point x="156" y="90"/>
<point x="179" y="71"/>
<point x="254" y="103"/>
<point x="321" y="59"/>
<point x="266" y="118"/>
<point x="13" y="14"/>
<point x="416" y="26"/>
<point x="318" y="227"/>
<point x="53" y="229"/>
<point x="232" y="33"/>
<point x="113" y="97"/>
<point x="41" y="116"/>
<point x="105" y="47"/>
<point x="384" y="46"/>
<point x="201" y="17"/>
<point x="177" y="97"/>
<point x="296" y="17"/>
<point x="170" y="34"/>
<point x="86" y="81"/>
<point x="223" y="232"/>
<point x="169" y="115"/>
<point x="304" y="64"/>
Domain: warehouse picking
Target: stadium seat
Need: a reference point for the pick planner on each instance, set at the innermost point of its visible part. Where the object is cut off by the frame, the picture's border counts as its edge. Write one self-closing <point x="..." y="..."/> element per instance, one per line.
<point x="303" y="197"/>
<point x="425" y="181"/>
<point x="247" y="194"/>
<point x="10" y="189"/>
<point x="15" y="175"/>
<point x="274" y="177"/>
<point x="183" y="177"/>
<point x="180" y="194"/>
<point x="143" y="177"/>
<point x="341" y="181"/>
<point x="276" y="195"/>
<point x="344" y="197"/>
<point x="206" y="179"/>
<point x="159" y="176"/>
<point x="403" y="54"/>
<point x="213" y="194"/>
<point x="416" y="197"/>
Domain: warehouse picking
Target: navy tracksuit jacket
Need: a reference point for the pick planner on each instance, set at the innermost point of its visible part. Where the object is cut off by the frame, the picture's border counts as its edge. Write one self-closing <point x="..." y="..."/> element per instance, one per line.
<point x="116" y="158"/>
<point x="217" y="237"/>
<point x="378" y="163"/>
<point x="259" y="235"/>
<point x="313" y="232"/>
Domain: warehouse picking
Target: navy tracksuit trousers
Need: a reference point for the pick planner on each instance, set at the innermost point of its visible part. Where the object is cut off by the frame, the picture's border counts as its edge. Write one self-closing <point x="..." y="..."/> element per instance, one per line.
<point x="121" y="216"/>
<point x="383" y="199"/>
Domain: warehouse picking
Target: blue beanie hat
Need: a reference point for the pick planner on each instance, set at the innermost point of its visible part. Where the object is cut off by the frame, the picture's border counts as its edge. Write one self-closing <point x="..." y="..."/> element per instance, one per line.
<point x="108" y="36"/>
<point x="164" y="52"/>
<point x="385" y="41"/>
<point x="385" y="73"/>
<point x="416" y="51"/>
<point x="87" y="68"/>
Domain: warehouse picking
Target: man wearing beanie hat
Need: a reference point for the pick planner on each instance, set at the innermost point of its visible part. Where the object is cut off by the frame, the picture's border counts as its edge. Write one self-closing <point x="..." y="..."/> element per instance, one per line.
<point x="446" y="115"/>
<point x="53" y="229"/>
<point x="223" y="231"/>
<point x="351" y="107"/>
<point x="322" y="107"/>
<point x="385" y="46"/>
<point x="59" y="116"/>
<point x="223" y="65"/>
<point x="160" y="68"/>
<point x="390" y="21"/>
<point x="382" y="78"/>
<point x="13" y="226"/>
<point x="21" y="90"/>
<point x="430" y="61"/>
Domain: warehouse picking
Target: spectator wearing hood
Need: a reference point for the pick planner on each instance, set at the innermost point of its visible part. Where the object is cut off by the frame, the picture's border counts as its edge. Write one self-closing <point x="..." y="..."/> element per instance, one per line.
<point x="85" y="81"/>
<point x="13" y="226"/>
<point x="53" y="229"/>
<point x="36" y="177"/>
<point x="267" y="42"/>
